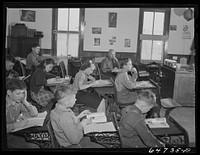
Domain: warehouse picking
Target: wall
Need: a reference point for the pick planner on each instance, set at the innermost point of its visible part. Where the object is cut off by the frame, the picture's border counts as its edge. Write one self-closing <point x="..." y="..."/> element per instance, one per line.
<point x="42" y="23"/>
<point x="177" y="45"/>
<point x="126" y="28"/>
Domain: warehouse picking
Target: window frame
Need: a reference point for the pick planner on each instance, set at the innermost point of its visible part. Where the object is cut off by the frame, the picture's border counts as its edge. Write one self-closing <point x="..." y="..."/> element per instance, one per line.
<point x="163" y="37"/>
<point x="55" y="30"/>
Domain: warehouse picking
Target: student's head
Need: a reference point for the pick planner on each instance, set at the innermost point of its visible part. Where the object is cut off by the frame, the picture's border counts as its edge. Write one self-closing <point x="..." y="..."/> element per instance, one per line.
<point x="65" y="94"/>
<point x="146" y="100"/>
<point x="88" y="67"/>
<point x="10" y="61"/>
<point x="126" y="64"/>
<point x="111" y="53"/>
<point x="15" y="89"/>
<point x="36" y="48"/>
<point x="47" y="64"/>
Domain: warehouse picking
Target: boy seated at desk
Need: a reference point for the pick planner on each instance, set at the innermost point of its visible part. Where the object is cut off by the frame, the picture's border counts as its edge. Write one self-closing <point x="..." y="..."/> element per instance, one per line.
<point x="133" y="131"/>
<point x="68" y="128"/>
<point x="16" y="103"/>
<point x="125" y="82"/>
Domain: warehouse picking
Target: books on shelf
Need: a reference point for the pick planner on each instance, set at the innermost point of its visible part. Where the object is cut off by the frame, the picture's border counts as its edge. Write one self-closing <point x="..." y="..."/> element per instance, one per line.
<point x="157" y="122"/>
<point x="32" y="121"/>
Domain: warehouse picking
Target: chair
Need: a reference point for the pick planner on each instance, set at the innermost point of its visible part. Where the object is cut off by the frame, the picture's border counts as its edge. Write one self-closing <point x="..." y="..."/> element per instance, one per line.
<point x="53" y="140"/>
<point x="63" y="69"/>
<point x="167" y="104"/>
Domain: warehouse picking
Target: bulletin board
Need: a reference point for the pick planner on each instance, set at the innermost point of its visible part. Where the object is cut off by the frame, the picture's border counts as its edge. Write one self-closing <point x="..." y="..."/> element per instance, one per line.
<point x="107" y="28"/>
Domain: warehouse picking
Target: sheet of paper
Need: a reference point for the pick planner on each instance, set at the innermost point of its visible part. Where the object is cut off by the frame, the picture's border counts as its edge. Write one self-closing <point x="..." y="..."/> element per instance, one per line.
<point x="33" y="121"/>
<point x="157" y="122"/>
<point x="99" y="127"/>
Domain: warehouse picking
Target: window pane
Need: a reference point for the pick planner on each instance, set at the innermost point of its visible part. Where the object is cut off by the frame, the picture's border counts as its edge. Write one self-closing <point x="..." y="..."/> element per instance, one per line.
<point x="62" y="19"/>
<point x="61" y="44"/>
<point x="74" y="19"/>
<point x="73" y="45"/>
<point x="159" y="23"/>
<point x="147" y="23"/>
<point x="157" y="50"/>
<point x="146" y="49"/>
<point x="63" y="49"/>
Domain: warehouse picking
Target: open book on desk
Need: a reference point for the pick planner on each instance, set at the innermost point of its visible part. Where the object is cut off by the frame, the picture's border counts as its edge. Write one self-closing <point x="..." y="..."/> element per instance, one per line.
<point x="157" y="122"/>
<point x="33" y="121"/>
<point x="97" y="117"/>
<point x="99" y="127"/>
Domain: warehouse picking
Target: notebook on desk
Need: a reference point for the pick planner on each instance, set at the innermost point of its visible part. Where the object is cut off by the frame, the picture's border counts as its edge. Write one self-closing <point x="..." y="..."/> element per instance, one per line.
<point x="32" y="121"/>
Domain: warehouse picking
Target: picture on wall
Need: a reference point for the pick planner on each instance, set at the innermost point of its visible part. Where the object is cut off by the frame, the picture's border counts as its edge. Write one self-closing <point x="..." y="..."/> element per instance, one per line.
<point x="96" y="41"/>
<point x="127" y="43"/>
<point x="96" y="30"/>
<point x="27" y="16"/>
<point x="112" y="19"/>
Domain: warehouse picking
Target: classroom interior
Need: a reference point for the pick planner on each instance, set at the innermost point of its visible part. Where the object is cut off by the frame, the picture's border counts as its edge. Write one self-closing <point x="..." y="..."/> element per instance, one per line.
<point x="160" y="42"/>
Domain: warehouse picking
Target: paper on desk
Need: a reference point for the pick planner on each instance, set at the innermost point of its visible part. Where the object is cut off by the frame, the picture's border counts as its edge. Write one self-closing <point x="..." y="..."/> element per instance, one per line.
<point x="99" y="127"/>
<point x="102" y="83"/>
<point x="33" y="121"/>
<point x="54" y="80"/>
<point x="97" y="117"/>
<point x="157" y="122"/>
<point x="143" y="84"/>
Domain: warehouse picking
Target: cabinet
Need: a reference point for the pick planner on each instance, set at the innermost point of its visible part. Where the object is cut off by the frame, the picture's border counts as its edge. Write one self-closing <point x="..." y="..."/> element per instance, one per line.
<point x="21" y="46"/>
<point x="178" y="85"/>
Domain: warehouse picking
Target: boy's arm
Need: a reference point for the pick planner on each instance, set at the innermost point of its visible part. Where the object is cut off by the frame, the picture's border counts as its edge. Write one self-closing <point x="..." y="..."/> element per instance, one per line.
<point x="146" y="135"/>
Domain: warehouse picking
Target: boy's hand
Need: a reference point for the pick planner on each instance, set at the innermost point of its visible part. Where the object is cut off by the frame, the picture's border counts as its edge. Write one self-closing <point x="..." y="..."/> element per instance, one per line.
<point x="21" y="123"/>
<point x="83" y="113"/>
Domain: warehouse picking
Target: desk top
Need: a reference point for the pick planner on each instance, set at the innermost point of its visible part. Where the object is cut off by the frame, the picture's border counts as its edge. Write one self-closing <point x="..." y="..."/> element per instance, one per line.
<point x="172" y="130"/>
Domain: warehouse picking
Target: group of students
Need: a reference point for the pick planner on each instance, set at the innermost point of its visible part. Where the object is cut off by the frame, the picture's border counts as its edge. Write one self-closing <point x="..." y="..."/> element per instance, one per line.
<point x="68" y="127"/>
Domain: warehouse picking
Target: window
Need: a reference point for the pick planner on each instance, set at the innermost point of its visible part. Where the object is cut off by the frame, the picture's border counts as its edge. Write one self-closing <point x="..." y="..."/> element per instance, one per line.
<point x="66" y="31"/>
<point x="153" y="34"/>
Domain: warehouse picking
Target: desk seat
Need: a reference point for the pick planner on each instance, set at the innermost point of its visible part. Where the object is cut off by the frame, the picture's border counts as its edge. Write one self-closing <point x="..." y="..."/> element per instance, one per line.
<point x="185" y="116"/>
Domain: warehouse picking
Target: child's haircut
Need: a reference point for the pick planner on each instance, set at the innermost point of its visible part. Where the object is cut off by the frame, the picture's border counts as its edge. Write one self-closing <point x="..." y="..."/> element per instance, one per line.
<point x="86" y="64"/>
<point x="15" y="83"/>
<point x="46" y="62"/>
<point x="148" y="96"/>
<point x="63" y="90"/>
<point x="124" y="61"/>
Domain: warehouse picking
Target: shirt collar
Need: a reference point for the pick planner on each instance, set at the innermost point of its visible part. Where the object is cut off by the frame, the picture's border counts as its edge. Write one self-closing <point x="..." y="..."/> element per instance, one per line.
<point x="133" y="108"/>
<point x="62" y="108"/>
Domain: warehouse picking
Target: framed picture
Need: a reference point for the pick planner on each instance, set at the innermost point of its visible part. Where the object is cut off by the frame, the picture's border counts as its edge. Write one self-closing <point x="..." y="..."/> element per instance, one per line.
<point x="27" y="16"/>
<point x="112" y="19"/>
<point x="96" y="41"/>
<point x="96" y="30"/>
<point x="127" y="43"/>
